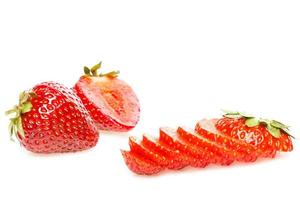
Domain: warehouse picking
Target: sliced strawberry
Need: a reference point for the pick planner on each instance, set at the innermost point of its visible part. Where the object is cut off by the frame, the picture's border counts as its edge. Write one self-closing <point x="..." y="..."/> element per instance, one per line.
<point x="111" y="102"/>
<point x="220" y="154"/>
<point x="140" y="165"/>
<point x="257" y="136"/>
<point x="146" y="153"/>
<point x="207" y="129"/>
<point x="196" y="157"/>
<point x="175" y="159"/>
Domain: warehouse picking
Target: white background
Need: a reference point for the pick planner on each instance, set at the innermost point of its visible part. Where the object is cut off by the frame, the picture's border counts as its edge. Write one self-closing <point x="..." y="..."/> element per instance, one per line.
<point x="185" y="59"/>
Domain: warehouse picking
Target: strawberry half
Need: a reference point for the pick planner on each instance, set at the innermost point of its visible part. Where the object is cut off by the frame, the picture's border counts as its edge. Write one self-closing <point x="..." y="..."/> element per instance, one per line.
<point x="139" y="164"/>
<point x="246" y="152"/>
<point x="51" y="118"/>
<point x="111" y="102"/>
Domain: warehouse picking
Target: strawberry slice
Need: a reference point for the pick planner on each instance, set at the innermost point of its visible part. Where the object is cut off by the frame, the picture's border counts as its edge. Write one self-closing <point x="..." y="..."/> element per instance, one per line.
<point x="139" y="149"/>
<point x="175" y="159"/>
<point x="220" y="154"/>
<point x="140" y="165"/>
<point x="246" y="152"/>
<point x="196" y="157"/>
<point x="111" y="102"/>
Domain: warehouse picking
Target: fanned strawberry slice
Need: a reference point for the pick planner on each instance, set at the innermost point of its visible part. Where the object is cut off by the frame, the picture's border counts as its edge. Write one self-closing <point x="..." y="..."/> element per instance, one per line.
<point x="146" y="153"/>
<point x="246" y="152"/>
<point x="140" y="165"/>
<point x="175" y="159"/>
<point x="222" y="155"/>
<point x="196" y="157"/>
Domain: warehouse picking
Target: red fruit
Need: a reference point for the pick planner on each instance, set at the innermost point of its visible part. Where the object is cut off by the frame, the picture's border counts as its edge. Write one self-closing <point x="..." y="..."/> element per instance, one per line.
<point x="110" y="101"/>
<point x="146" y="153"/>
<point x="257" y="136"/>
<point x="196" y="157"/>
<point x="246" y="152"/>
<point x="218" y="154"/>
<point x="175" y="159"/>
<point x="140" y="165"/>
<point x="51" y="118"/>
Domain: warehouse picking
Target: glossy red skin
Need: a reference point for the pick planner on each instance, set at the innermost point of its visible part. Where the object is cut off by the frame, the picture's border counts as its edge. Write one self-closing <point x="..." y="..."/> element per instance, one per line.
<point x="58" y="121"/>
<point x="175" y="160"/>
<point x="261" y="138"/>
<point x="247" y="152"/>
<point x="196" y="158"/>
<point x="102" y="120"/>
<point x="218" y="154"/>
<point x="140" y="165"/>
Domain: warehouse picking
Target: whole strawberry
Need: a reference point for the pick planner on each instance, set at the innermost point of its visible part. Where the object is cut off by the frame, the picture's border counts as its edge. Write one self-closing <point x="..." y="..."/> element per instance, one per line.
<point x="50" y="118"/>
<point x="111" y="102"/>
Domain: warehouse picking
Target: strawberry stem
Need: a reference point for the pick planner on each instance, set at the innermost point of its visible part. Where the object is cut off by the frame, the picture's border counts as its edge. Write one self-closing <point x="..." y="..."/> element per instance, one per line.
<point x="15" y="126"/>
<point x="93" y="71"/>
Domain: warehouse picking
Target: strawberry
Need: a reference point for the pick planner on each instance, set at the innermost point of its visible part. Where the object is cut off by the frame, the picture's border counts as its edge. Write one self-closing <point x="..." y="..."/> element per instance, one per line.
<point x="268" y="136"/>
<point x="51" y="118"/>
<point x="246" y="152"/>
<point x="111" y="102"/>
<point x="218" y="154"/>
<point x="175" y="159"/>
<point x="196" y="157"/>
<point x="139" y="164"/>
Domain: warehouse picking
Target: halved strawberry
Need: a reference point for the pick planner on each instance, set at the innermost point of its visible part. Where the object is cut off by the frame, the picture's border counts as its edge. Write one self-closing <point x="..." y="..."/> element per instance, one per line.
<point x="175" y="159"/>
<point x="139" y="149"/>
<point x="221" y="154"/>
<point x="140" y="165"/>
<point x="206" y="128"/>
<point x="196" y="157"/>
<point x="111" y="102"/>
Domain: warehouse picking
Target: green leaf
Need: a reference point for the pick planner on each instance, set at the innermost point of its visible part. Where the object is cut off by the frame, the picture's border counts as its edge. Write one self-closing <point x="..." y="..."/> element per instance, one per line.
<point x="246" y="115"/>
<point x="95" y="68"/>
<point x="251" y="122"/>
<point x="233" y="116"/>
<point x="273" y="130"/>
<point x="11" y="111"/>
<point x="20" y="127"/>
<point x="278" y="124"/>
<point x="86" y="71"/>
<point x="112" y="74"/>
<point x="230" y="112"/>
<point x="26" y="107"/>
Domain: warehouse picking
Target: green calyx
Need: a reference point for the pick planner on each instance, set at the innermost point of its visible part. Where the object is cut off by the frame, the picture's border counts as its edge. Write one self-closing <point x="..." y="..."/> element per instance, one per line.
<point x="272" y="126"/>
<point x="93" y="71"/>
<point x="24" y="106"/>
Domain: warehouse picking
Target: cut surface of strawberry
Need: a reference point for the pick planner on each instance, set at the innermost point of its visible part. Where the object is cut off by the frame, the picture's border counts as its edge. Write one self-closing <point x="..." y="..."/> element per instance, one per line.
<point x="143" y="151"/>
<point x="111" y="102"/>
<point x="175" y="159"/>
<point x="218" y="154"/>
<point x="196" y="157"/>
<point x="140" y="165"/>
